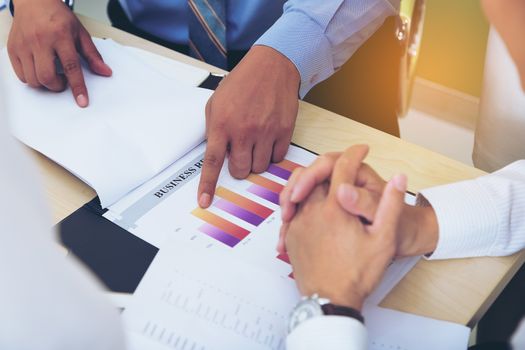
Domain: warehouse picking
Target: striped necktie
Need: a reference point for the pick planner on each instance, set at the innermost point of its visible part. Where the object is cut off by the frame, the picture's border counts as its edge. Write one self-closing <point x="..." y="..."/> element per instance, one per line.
<point x="207" y="31"/>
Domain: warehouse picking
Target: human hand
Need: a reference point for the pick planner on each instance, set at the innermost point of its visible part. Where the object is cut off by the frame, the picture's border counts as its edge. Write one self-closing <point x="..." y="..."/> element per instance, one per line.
<point x="43" y="30"/>
<point x="252" y="114"/>
<point x="418" y="228"/>
<point x="332" y="252"/>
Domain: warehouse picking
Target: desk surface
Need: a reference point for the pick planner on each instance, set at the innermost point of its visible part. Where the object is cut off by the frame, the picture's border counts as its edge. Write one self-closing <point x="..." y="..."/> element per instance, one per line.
<point x="455" y="290"/>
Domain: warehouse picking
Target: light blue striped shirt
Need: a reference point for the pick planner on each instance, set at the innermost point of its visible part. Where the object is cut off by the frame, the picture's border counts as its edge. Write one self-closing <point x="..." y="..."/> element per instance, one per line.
<point x="318" y="36"/>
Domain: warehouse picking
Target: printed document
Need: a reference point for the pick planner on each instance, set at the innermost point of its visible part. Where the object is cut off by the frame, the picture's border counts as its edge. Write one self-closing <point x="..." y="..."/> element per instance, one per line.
<point x="138" y="121"/>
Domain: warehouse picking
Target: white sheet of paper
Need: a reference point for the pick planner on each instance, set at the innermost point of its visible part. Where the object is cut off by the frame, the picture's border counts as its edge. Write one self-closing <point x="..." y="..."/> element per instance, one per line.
<point x="155" y="219"/>
<point x="177" y="71"/>
<point x="137" y="124"/>
<point x="390" y="329"/>
<point x="201" y="298"/>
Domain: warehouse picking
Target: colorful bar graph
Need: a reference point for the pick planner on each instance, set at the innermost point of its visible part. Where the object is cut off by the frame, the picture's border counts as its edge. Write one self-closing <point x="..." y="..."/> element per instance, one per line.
<point x="266" y="183"/>
<point x="243" y="202"/>
<point x="279" y="172"/>
<point x="220" y="223"/>
<point x="284" y="257"/>
<point x="219" y="235"/>
<point x="239" y="212"/>
<point x="264" y="193"/>
<point x="288" y="165"/>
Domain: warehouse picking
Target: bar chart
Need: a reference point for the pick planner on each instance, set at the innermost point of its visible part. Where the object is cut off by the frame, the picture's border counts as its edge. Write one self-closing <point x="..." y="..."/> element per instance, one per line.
<point x="283" y="169"/>
<point x="285" y="258"/>
<point x="243" y="208"/>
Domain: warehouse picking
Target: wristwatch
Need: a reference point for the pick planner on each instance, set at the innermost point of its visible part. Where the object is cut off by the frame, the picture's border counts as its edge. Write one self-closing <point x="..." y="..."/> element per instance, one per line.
<point x="69" y="4"/>
<point x="314" y="306"/>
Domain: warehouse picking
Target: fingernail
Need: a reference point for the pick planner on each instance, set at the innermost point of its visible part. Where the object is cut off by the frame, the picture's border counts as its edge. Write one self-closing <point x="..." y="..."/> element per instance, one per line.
<point x="82" y="100"/>
<point x="205" y="200"/>
<point x="400" y="182"/>
<point x="294" y="197"/>
<point x="349" y="193"/>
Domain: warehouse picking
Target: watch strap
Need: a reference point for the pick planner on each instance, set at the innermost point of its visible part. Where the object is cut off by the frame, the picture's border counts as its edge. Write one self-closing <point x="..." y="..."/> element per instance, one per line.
<point x="337" y="310"/>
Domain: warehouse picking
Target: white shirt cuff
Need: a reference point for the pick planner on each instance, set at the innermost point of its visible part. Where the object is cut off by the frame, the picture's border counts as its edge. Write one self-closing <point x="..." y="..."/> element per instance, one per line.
<point x="328" y="332"/>
<point x="467" y="219"/>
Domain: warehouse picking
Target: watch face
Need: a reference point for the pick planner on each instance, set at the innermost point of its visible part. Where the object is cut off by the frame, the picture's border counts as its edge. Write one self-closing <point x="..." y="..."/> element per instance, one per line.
<point x="305" y="310"/>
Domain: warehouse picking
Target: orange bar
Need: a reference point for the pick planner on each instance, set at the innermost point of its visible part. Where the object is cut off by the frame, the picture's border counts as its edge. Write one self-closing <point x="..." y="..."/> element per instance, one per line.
<point x="220" y="223"/>
<point x="244" y="202"/>
<point x="266" y="183"/>
<point x="288" y="165"/>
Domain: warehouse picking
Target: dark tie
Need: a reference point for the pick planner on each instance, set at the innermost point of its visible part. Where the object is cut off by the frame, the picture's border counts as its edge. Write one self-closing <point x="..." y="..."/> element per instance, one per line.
<point x="207" y="31"/>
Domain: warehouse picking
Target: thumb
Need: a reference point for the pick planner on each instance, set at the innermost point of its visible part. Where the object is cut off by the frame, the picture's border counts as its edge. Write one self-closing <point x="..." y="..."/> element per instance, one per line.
<point x="358" y="201"/>
<point x="390" y="207"/>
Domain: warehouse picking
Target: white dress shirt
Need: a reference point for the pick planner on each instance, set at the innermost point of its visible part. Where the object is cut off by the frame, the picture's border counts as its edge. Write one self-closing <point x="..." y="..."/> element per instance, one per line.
<point x="482" y="217"/>
<point x="501" y="122"/>
<point x="47" y="300"/>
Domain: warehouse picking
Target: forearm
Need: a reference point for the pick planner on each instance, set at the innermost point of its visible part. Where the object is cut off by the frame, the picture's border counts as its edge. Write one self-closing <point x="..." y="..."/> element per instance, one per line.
<point x="318" y="37"/>
<point x="481" y="217"/>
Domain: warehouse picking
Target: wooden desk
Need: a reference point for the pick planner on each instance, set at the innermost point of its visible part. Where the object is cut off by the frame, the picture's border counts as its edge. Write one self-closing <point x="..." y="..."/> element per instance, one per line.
<point x="455" y="290"/>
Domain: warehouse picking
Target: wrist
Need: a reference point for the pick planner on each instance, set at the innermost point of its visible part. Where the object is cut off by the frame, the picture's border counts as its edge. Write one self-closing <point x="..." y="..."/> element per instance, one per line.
<point x="419" y="231"/>
<point x="275" y="59"/>
<point x="428" y="230"/>
<point x="348" y="298"/>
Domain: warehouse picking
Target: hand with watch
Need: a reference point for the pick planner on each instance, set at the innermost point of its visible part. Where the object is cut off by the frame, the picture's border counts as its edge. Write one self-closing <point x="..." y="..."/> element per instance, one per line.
<point x="46" y="38"/>
<point x="337" y="258"/>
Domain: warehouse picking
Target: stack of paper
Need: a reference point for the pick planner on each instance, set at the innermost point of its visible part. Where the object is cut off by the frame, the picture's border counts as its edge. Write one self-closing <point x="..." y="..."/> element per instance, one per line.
<point x="138" y="122"/>
<point x="203" y="299"/>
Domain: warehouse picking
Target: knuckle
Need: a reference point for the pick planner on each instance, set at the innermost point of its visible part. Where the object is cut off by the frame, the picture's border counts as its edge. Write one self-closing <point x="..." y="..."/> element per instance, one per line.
<point x="46" y="78"/>
<point x="33" y="83"/>
<point x="212" y="160"/>
<point x="259" y="166"/>
<point x="71" y="66"/>
<point x="247" y="130"/>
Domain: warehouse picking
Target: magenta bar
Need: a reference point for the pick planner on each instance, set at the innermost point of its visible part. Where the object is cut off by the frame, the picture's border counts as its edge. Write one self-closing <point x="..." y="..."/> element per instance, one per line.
<point x="264" y="193"/>
<point x="219" y="235"/>
<point x="239" y="212"/>
<point x="279" y="172"/>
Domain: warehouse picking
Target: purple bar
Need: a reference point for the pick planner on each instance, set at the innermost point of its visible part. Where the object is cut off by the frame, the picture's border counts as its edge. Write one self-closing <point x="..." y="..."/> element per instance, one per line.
<point x="264" y="193"/>
<point x="239" y="212"/>
<point x="219" y="235"/>
<point x="278" y="171"/>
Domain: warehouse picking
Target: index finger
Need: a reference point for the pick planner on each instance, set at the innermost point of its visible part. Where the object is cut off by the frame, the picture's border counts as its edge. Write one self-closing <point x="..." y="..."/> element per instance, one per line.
<point x="73" y="70"/>
<point x="320" y="171"/>
<point x="213" y="160"/>
<point x="346" y="168"/>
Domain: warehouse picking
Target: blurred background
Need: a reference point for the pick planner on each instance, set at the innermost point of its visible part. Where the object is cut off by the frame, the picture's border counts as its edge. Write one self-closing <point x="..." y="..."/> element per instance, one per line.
<point x="449" y="74"/>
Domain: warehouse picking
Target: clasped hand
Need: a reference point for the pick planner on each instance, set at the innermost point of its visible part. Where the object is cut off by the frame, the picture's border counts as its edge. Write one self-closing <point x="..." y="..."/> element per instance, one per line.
<point x="343" y="225"/>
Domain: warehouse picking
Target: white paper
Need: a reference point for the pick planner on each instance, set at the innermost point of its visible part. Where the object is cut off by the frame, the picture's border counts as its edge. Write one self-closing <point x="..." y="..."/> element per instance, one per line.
<point x="389" y="329"/>
<point x="137" y="124"/>
<point x="157" y="219"/>
<point x="182" y="73"/>
<point x="208" y="300"/>
<point x="201" y="298"/>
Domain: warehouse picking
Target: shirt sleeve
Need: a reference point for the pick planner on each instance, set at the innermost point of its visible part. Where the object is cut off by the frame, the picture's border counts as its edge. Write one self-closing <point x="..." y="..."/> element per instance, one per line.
<point x="480" y="217"/>
<point x="48" y="301"/>
<point x="328" y="332"/>
<point x="518" y="339"/>
<point x="319" y="36"/>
